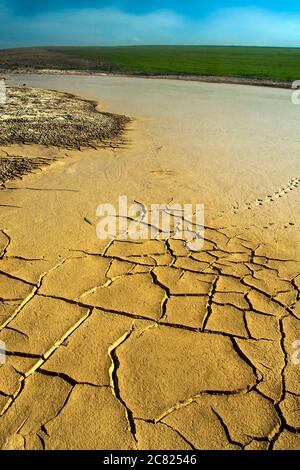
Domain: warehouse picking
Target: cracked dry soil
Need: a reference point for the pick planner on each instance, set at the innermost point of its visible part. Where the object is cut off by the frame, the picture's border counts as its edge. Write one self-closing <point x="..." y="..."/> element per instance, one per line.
<point x="144" y="345"/>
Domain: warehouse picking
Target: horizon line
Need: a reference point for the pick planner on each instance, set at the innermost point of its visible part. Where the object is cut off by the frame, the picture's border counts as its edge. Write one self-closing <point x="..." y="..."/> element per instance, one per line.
<point x="151" y="45"/>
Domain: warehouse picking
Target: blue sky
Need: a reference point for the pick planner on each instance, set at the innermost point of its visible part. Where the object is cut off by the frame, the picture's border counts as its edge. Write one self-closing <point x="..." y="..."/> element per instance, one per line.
<point x="133" y="22"/>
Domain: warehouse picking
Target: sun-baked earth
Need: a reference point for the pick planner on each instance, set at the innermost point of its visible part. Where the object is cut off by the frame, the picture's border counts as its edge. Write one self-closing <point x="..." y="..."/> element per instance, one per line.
<point x="46" y="117"/>
<point x="138" y="344"/>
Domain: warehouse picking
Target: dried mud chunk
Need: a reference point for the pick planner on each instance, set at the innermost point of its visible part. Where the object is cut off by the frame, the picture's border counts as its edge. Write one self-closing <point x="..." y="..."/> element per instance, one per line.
<point x="287" y="298"/>
<point x="13" y="289"/>
<point x="287" y="441"/>
<point x="286" y="269"/>
<point x="227" y="319"/>
<point x="232" y="269"/>
<point x="268" y="282"/>
<point x="216" y="236"/>
<point x="171" y="365"/>
<point x="167" y="276"/>
<point x="203" y="257"/>
<point x="118" y="268"/>
<point x="237" y="246"/>
<point x="28" y="270"/>
<point x="100" y="422"/>
<point x="158" y="437"/>
<point x="230" y="284"/>
<point x="140" y="296"/>
<point x="262" y="303"/>
<point x="15" y="442"/>
<point x="10" y="379"/>
<point x="291" y="327"/>
<point x="238" y="257"/>
<point x="199" y="424"/>
<point x="269" y="361"/>
<point x="246" y="416"/>
<point x="290" y="407"/>
<point x="163" y="260"/>
<point x="126" y="249"/>
<point x="75" y="277"/>
<point x="6" y="311"/>
<point x="178" y="282"/>
<point x="141" y="269"/>
<point x="231" y="298"/>
<point x="40" y="401"/>
<point x="40" y="325"/>
<point x="85" y="356"/>
<point x="262" y="326"/>
<point x="33" y="442"/>
<point x="20" y="363"/>
<point x="178" y="247"/>
<point x="186" y="311"/>
<point x="257" y="445"/>
<point x="190" y="264"/>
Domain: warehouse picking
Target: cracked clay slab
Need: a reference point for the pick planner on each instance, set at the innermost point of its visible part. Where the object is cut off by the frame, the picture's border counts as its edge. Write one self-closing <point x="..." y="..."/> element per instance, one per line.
<point x="172" y="365"/>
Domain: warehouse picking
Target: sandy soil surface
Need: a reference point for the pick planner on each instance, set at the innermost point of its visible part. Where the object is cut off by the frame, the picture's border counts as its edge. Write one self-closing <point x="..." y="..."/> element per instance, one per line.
<point x="146" y="345"/>
<point x="261" y="82"/>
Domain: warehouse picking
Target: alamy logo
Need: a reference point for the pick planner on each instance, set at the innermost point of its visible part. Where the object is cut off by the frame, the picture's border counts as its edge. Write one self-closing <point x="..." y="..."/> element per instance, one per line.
<point x="2" y="92"/>
<point x="159" y="222"/>
<point x="296" y="93"/>
<point x="296" y="354"/>
<point x="2" y="353"/>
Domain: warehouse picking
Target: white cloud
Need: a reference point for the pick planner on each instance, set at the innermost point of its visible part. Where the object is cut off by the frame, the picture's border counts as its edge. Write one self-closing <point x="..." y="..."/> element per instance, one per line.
<point x="110" y="26"/>
<point x="89" y="26"/>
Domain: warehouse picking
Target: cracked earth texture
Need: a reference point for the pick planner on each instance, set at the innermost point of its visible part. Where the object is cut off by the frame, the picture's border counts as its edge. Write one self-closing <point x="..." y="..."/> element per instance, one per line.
<point x="50" y="118"/>
<point x="138" y="345"/>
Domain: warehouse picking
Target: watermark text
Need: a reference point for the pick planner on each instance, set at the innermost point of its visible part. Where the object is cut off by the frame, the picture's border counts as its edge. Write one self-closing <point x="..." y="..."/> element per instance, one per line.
<point x="158" y="222"/>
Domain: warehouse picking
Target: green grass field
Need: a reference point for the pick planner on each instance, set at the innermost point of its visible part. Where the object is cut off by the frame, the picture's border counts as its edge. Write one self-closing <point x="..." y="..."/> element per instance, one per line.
<point x="252" y="62"/>
<point x="246" y="62"/>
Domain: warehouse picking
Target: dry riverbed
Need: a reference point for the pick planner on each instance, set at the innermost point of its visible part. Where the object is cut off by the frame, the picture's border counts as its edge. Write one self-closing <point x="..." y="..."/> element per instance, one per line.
<point x="130" y="344"/>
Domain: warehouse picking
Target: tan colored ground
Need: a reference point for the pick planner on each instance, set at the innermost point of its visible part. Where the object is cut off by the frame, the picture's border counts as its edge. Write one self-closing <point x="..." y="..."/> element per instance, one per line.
<point x="127" y="345"/>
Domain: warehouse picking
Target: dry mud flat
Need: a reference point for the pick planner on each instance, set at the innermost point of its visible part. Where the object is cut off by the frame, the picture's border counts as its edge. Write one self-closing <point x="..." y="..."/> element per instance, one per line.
<point x="50" y="118"/>
<point x="142" y="345"/>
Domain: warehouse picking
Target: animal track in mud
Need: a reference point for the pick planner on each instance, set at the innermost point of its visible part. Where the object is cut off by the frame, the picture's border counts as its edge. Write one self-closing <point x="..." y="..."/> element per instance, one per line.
<point x="292" y="185"/>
